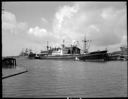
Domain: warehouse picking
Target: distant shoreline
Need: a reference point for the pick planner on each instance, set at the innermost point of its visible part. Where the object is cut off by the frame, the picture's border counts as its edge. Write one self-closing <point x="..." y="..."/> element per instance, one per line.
<point x="13" y="56"/>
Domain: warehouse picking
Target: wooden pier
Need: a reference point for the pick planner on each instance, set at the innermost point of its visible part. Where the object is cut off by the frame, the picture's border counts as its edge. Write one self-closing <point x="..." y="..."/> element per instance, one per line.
<point x="6" y="73"/>
<point x="10" y="68"/>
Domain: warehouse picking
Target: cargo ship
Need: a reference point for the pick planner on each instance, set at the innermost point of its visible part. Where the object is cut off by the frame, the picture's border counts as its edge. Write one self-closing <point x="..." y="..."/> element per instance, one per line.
<point x="93" y="56"/>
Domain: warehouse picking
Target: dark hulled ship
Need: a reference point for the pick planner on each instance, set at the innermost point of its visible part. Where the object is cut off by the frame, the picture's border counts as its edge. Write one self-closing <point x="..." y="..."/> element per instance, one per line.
<point x="93" y="56"/>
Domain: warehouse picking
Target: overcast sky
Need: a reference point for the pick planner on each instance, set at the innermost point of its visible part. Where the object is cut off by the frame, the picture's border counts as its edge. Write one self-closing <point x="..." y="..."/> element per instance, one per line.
<point x="32" y="24"/>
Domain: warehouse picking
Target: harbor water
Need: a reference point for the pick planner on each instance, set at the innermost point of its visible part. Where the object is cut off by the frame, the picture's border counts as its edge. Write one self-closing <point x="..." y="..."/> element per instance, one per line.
<point x="61" y="78"/>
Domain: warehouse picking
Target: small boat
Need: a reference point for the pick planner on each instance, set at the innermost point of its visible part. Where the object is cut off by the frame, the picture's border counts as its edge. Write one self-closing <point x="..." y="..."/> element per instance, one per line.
<point x="31" y="55"/>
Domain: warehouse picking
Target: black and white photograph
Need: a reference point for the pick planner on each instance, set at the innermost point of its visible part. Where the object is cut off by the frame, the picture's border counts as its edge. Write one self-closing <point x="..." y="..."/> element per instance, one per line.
<point x="67" y="49"/>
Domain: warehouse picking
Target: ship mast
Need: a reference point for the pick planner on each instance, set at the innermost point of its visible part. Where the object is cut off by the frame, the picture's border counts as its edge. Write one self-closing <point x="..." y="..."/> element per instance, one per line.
<point x="47" y="46"/>
<point x="86" y="44"/>
<point x="63" y="44"/>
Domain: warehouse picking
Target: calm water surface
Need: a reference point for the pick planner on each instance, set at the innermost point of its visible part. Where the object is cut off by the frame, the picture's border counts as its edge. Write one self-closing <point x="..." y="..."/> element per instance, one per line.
<point x="50" y="78"/>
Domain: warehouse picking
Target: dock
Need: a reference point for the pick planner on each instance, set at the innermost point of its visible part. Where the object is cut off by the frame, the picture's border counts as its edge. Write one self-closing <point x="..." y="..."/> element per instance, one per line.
<point x="6" y="73"/>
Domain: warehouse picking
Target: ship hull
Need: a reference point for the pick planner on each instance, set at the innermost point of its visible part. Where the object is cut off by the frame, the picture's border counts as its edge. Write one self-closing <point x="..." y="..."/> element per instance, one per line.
<point x="95" y="56"/>
<point x="61" y="57"/>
